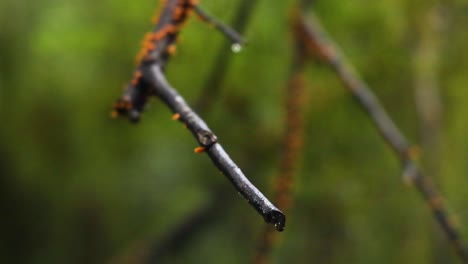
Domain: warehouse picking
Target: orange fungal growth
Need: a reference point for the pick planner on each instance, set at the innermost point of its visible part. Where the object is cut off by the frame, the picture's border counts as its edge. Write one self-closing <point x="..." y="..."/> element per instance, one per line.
<point x="178" y="12"/>
<point x="199" y="150"/>
<point x="170" y="29"/>
<point x="148" y="37"/>
<point x="176" y="116"/>
<point x="158" y="35"/>
<point x="157" y="14"/>
<point x="171" y="49"/>
<point x="193" y="2"/>
<point x="136" y="78"/>
<point x="147" y="46"/>
<point x="114" y="114"/>
<point x="123" y="105"/>
<point x="150" y="46"/>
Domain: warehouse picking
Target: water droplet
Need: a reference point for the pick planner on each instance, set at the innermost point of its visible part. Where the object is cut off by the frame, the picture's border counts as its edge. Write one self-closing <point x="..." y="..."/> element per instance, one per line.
<point x="236" y="47"/>
<point x="279" y="226"/>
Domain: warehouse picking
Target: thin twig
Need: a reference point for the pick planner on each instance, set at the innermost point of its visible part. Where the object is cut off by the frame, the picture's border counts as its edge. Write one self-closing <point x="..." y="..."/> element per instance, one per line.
<point x="208" y="142"/>
<point x="321" y="46"/>
<point x="230" y="33"/>
<point x="151" y="81"/>
<point x="220" y="67"/>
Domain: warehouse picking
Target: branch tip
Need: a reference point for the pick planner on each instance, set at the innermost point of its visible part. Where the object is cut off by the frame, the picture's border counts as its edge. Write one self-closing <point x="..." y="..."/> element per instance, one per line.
<point x="277" y="218"/>
<point x="228" y="32"/>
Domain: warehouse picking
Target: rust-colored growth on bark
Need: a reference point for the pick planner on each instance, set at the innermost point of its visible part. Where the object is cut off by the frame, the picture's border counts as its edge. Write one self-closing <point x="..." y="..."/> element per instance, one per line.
<point x="290" y="156"/>
<point x="171" y="49"/>
<point x="136" y="78"/>
<point x="199" y="150"/>
<point x="292" y="142"/>
<point x="180" y="13"/>
<point x="176" y="116"/>
<point x="291" y="150"/>
<point x="317" y="46"/>
<point x="123" y="105"/>
<point x="158" y="45"/>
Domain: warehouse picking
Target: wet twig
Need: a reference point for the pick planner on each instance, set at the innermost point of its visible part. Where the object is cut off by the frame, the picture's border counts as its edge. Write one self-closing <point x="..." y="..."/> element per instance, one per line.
<point x="149" y="80"/>
<point x="209" y="144"/>
<point x="230" y="33"/>
<point x="220" y="67"/>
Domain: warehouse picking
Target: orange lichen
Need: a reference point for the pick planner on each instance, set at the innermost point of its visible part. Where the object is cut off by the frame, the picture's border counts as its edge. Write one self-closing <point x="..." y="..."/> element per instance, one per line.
<point x="136" y="78"/>
<point x="171" y="29"/>
<point x="199" y="150"/>
<point x="176" y="116"/>
<point x="147" y="45"/>
<point x="123" y="105"/>
<point x="114" y="114"/>
<point x="179" y="15"/>
<point x="178" y="12"/>
<point x="158" y="35"/>
<point x="193" y="2"/>
<point x="171" y="49"/>
<point x="157" y="14"/>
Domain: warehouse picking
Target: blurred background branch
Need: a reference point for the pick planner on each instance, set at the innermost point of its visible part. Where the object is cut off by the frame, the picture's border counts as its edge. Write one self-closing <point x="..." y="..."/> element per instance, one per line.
<point x="291" y="147"/>
<point x="323" y="47"/>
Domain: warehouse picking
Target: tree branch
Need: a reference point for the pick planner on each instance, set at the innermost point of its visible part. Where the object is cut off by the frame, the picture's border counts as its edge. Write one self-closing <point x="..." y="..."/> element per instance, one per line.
<point x="322" y="47"/>
<point x="149" y="80"/>
<point x="208" y="142"/>
<point x="230" y="33"/>
<point x="212" y="86"/>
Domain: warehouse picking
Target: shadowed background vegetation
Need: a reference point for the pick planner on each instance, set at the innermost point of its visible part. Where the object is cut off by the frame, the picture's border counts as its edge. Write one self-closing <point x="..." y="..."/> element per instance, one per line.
<point x="79" y="187"/>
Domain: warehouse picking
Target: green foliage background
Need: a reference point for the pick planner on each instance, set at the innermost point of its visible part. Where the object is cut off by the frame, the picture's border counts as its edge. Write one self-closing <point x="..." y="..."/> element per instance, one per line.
<point x="78" y="187"/>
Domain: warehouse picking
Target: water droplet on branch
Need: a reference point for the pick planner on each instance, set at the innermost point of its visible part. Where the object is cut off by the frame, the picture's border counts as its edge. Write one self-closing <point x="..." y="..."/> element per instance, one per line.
<point x="236" y="47"/>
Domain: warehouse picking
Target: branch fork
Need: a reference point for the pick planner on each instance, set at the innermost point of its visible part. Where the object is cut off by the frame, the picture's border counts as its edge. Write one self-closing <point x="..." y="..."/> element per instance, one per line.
<point x="149" y="80"/>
